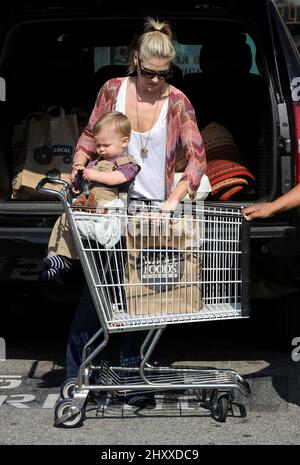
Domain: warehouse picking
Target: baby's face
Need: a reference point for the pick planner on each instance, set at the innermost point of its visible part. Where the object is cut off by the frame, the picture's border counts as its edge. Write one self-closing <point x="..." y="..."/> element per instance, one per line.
<point x="110" y="143"/>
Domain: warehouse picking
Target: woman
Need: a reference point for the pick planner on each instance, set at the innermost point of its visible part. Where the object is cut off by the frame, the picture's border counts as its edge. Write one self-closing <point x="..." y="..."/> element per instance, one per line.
<point x="163" y="122"/>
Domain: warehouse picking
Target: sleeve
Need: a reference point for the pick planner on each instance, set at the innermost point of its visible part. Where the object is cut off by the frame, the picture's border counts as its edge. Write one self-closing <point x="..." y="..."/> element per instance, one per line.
<point x="193" y="147"/>
<point x="102" y="105"/>
<point x="130" y="170"/>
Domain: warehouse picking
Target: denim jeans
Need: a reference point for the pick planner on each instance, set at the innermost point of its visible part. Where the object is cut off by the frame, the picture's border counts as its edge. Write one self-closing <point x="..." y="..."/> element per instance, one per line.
<point x="85" y="325"/>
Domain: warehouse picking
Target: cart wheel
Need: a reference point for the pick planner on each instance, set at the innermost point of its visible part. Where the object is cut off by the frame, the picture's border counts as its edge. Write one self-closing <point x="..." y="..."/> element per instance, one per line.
<point x="219" y="409"/>
<point x="61" y="409"/>
<point x="67" y="388"/>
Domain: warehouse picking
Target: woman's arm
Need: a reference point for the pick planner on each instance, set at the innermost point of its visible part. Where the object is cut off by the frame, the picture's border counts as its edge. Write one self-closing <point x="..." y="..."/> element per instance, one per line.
<point x="194" y="152"/>
<point x="86" y="146"/>
<point x="266" y="209"/>
<point x="79" y="162"/>
<point x="192" y="146"/>
<point x="177" y="195"/>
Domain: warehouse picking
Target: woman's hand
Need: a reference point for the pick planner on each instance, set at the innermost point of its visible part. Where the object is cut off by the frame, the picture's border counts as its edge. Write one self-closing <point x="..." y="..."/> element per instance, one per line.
<point x="169" y="205"/>
<point x="258" y="210"/>
<point x="79" y="161"/>
<point x="74" y="173"/>
<point x="176" y="196"/>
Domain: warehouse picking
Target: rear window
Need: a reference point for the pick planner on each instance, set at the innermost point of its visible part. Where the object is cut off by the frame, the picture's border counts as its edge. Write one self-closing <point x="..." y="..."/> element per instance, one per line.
<point x="187" y="56"/>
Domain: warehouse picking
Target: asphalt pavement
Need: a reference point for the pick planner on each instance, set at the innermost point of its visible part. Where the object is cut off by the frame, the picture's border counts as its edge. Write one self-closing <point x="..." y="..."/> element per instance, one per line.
<point x="31" y="376"/>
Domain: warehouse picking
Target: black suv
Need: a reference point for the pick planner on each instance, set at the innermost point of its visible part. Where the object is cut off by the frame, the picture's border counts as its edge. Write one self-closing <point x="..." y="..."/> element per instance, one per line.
<point x="237" y="63"/>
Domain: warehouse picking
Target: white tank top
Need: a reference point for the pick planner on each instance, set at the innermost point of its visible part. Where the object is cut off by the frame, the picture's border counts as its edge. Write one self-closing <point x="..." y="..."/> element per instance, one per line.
<point x="151" y="179"/>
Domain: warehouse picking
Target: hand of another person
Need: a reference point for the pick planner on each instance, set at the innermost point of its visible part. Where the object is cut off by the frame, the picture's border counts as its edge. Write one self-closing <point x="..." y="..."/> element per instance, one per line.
<point x="258" y="210"/>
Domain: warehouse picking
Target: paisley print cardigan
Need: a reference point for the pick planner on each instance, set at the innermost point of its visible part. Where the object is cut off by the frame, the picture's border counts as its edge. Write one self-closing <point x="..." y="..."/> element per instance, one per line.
<point x="182" y="133"/>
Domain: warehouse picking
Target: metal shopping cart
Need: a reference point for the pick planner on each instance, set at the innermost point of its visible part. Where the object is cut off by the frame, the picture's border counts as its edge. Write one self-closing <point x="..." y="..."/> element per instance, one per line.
<point x="146" y="270"/>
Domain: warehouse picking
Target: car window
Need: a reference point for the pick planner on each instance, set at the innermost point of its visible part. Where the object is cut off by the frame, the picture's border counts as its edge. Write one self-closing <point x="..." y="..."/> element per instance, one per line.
<point x="187" y="56"/>
<point x="250" y="42"/>
<point x="117" y="55"/>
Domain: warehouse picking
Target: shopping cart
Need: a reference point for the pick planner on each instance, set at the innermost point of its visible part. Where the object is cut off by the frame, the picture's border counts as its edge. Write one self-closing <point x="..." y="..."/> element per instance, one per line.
<point x="147" y="269"/>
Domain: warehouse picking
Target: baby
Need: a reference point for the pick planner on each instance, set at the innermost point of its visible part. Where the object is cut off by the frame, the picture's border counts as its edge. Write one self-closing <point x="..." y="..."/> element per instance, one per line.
<point x="111" y="172"/>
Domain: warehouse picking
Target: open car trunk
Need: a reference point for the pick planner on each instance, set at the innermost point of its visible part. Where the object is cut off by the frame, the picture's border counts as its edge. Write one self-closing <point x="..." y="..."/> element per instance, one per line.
<point x="221" y="66"/>
<point x="236" y="64"/>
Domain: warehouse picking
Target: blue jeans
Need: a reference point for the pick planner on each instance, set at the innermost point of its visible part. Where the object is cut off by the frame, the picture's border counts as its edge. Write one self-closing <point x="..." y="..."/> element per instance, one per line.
<point x="85" y="325"/>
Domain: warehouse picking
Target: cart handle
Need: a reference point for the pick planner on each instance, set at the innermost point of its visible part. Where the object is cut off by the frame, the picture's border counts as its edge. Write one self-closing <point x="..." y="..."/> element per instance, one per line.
<point x="65" y="193"/>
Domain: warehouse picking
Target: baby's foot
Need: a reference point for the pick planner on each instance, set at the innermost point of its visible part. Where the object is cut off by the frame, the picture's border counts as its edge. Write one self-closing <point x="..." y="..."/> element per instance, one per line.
<point x="55" y="266"/>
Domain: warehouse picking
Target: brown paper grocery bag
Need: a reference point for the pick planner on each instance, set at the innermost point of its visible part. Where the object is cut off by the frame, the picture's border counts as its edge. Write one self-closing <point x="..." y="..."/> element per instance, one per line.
<point x="163" y="271"/>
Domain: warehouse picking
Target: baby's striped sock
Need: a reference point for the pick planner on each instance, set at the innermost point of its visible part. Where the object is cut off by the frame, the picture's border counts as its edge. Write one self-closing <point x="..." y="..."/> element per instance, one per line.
<point x="55" y="266"/>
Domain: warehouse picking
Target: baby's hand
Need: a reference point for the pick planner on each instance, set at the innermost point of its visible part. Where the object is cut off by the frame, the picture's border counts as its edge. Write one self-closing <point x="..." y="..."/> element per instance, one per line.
<point x="89" y="174"/>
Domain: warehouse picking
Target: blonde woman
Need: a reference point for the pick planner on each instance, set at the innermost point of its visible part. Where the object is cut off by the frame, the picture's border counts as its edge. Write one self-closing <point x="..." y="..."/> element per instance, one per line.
<point x="163" y="122"/>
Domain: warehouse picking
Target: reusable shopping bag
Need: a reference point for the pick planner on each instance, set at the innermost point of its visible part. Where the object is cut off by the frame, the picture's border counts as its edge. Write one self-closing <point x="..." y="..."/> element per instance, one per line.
<point x="163" y="270"/>
<point x="50" y="140"/>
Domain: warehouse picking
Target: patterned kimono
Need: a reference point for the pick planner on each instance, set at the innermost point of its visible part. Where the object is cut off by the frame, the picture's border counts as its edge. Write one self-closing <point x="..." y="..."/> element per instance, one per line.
<point x="183" y="135"/>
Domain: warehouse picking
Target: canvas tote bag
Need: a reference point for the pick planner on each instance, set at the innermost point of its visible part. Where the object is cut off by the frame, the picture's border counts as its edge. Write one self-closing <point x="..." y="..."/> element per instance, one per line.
<point x="163" y="270"/>
<point x="51" y="139"/>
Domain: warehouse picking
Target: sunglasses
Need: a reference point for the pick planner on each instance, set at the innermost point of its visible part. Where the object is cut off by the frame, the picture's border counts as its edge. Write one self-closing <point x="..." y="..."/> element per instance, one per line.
<point x="147" y="73"/>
